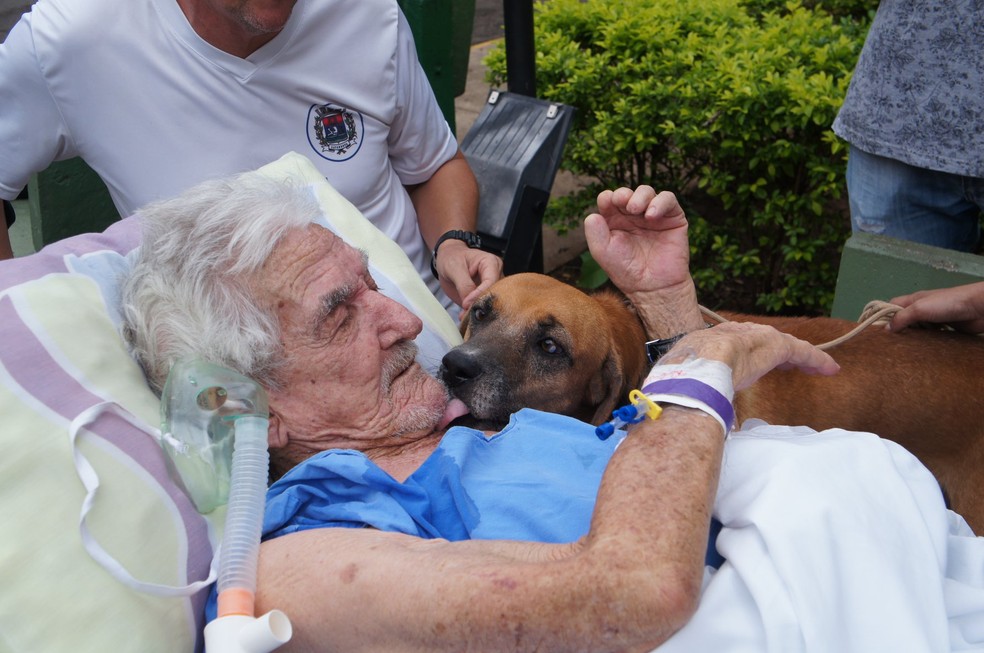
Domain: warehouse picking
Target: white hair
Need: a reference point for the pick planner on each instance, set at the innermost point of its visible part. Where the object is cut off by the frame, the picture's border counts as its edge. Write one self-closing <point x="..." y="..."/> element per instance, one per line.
<point x="188" y="293"/>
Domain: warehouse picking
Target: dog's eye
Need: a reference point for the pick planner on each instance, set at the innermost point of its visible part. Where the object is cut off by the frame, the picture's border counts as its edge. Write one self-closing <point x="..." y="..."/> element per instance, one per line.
<point x="478" y="313"/>
<point x="550" y="346"/>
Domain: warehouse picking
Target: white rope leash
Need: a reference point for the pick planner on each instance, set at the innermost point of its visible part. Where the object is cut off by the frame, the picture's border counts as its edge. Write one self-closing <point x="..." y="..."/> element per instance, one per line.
<point x="875" y="312"/>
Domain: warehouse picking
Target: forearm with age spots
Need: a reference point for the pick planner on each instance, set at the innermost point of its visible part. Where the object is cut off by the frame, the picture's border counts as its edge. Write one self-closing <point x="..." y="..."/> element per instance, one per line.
<point x="627" y="586"/>
<point x="669" y="311"/>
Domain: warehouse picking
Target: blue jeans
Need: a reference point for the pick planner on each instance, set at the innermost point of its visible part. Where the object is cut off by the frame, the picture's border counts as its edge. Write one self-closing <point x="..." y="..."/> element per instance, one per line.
<point x="895" y="199"/>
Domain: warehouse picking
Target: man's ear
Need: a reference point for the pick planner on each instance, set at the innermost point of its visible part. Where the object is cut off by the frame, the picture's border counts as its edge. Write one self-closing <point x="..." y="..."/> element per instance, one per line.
<point x="276" y="433"/>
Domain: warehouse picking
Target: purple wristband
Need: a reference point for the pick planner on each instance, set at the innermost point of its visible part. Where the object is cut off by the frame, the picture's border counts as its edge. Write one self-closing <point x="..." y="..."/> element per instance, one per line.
<point x="695" y="390"/>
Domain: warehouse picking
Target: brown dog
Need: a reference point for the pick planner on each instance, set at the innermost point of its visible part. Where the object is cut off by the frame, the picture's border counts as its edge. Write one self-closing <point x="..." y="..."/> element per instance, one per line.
<point x="533" y="341"/>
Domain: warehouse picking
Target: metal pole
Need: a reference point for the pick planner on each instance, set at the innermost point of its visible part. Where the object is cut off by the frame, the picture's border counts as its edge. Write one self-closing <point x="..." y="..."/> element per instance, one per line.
<point x="520" y="46"/>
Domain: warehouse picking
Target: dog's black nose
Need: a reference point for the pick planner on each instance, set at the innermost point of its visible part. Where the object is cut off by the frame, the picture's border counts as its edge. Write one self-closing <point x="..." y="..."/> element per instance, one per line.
<point x="459" y="366"/>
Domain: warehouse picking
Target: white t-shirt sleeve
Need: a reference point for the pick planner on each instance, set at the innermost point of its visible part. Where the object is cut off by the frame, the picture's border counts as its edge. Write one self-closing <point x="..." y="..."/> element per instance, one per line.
<point x="420" y="139"/>
<point x="32" y="132"/>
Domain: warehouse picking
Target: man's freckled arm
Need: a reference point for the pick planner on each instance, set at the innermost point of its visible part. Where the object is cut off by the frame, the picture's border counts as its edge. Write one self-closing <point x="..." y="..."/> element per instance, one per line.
<point x="628" y="585"/>
<point x="667" y="313"/>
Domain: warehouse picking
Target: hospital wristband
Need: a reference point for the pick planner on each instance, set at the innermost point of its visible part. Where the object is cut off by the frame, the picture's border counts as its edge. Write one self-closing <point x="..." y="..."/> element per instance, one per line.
<point x="693" y="394"/>
<point x="701" y="384"/>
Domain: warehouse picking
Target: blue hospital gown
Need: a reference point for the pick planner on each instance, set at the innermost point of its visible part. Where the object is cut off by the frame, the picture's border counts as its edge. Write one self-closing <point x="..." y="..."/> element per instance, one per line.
<point x="536" y="480"/>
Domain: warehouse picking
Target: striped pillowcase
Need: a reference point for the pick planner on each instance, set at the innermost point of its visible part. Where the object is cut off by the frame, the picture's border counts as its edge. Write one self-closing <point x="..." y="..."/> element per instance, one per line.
<point x="60" y="353"/>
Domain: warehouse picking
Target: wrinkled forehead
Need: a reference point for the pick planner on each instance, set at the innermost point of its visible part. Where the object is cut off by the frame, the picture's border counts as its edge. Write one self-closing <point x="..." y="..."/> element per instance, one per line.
<point x="306" y="255"/>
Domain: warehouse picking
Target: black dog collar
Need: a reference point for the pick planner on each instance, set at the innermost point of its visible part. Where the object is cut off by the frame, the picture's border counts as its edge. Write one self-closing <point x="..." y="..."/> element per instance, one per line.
<point x="656" y="349"/>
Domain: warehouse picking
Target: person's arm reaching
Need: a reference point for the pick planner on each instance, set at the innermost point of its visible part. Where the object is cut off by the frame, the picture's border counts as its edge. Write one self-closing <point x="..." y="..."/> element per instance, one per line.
<point x="961" y="307"/>
<point x="626" y="586"/>
<point x="446" y="201"/>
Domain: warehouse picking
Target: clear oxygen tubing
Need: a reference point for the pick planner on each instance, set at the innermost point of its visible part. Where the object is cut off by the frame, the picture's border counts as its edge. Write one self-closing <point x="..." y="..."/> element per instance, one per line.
<point x="235" y="630"/>
<point x="244" y="516"/>
<point x="211" y="414"/>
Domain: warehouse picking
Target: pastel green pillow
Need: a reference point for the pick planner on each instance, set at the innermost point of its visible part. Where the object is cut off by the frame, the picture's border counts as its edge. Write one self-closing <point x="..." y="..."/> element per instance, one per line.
<point x="60" y="354"/>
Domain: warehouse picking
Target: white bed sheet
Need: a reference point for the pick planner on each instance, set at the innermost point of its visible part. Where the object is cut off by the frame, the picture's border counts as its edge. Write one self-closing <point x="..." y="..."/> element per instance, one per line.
<point x="894" y="571"/>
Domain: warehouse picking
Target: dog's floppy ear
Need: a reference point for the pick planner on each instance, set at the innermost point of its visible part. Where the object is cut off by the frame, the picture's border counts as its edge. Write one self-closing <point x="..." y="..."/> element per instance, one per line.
<point x="605" y="389"/>
<point x="463" y="323"/>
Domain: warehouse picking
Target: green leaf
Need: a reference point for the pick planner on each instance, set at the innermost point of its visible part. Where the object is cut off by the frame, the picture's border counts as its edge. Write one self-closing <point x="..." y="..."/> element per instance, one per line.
<point x="592" y="276"/>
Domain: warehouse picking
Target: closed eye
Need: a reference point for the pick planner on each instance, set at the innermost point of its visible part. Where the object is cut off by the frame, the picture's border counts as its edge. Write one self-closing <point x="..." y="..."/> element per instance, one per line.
<point x="330" y="307"/>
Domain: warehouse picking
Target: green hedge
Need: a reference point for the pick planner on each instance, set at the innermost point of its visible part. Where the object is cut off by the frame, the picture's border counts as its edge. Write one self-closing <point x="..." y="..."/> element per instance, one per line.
<point x="729" y="105"/>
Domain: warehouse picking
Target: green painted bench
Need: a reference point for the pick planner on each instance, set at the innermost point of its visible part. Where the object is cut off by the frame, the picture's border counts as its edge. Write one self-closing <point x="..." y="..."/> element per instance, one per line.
<point x="879" y="267"/>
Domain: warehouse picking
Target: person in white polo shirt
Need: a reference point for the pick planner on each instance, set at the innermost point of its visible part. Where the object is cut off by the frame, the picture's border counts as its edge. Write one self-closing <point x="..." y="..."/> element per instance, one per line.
<point x="159" y="95"/>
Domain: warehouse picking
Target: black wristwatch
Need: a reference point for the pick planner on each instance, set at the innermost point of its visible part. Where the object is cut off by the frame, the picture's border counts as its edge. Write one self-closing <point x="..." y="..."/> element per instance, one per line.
<point x="470" y="238"/>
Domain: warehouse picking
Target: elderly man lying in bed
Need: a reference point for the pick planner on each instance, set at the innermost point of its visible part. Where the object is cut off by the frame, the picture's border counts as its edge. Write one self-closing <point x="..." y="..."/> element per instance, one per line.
<point x="541" y="537"/>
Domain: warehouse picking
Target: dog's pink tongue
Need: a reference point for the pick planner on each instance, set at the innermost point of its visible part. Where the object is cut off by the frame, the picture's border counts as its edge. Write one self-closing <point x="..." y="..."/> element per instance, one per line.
<point x="455" y="409"/>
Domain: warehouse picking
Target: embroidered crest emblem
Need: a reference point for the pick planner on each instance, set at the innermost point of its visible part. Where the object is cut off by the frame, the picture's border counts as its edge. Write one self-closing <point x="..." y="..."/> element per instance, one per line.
<point x="334" y="132"/>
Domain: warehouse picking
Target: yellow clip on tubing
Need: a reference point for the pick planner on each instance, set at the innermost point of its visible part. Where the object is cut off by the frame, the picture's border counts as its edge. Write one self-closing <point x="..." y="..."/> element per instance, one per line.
<point x="640" y="401"/>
